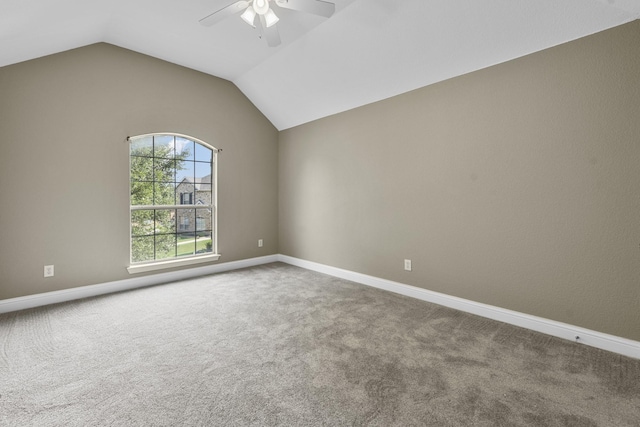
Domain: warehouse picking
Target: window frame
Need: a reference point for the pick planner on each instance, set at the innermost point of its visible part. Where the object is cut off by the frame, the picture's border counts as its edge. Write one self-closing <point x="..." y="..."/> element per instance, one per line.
<point x="151" y="265"/>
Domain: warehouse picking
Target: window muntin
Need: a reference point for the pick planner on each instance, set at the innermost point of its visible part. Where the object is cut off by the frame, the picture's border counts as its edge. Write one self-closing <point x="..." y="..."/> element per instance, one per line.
<point x="173" y="184"/>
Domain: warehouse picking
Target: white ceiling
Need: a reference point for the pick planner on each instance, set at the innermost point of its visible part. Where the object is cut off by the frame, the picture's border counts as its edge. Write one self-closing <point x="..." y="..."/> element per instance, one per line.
<point x="367" y="51"/>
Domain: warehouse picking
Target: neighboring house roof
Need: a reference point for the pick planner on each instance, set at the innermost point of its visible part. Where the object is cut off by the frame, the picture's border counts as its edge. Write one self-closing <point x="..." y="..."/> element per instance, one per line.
<point x="201" y="184"/>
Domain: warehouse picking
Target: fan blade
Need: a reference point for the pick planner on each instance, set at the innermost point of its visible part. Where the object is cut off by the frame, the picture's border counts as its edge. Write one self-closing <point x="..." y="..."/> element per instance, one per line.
<point x="317" y="7"/>
<point x="271" y="33"/>
<point x="223" y="13"/>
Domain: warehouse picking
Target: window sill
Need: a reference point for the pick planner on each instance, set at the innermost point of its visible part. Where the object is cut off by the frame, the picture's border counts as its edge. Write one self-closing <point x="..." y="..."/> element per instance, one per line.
<point x="161" y="265"/>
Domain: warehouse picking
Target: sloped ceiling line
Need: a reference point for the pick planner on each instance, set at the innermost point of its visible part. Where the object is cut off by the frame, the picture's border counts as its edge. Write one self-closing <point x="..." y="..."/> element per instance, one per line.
<point x="367" y="51"/>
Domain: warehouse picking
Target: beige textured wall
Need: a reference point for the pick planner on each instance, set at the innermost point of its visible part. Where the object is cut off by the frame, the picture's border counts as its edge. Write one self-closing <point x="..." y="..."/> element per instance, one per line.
<point x="64" y="162"/>
<point x="516" y="186"/>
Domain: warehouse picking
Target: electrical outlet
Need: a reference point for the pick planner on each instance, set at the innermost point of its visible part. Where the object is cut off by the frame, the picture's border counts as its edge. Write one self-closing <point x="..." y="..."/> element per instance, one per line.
<point x="407" y="264"/>
<point x="260" y="243"/>
<point x="48" y="271"/>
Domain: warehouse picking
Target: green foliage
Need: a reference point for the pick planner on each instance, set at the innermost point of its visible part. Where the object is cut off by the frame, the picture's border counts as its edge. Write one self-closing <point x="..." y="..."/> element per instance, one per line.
<point x="153" y="175"/>
<point x="142" y="223"/>
<point x="142" y="249"/>
<point x="165" y="221"/>
<point x="165" y="246"/>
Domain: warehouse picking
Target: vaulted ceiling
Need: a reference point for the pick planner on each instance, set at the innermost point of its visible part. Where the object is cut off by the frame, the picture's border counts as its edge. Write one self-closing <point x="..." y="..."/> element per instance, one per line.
<point x="367" y="51"/>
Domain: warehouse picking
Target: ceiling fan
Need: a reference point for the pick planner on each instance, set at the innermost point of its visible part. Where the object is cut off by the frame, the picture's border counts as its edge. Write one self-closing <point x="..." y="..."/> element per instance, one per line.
<point x="266" y="22"/>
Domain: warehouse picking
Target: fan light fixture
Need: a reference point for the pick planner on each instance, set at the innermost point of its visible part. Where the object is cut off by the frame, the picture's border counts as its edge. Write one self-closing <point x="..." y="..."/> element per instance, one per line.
<point x="259" y="7"/>
<point x="266" y="16"/>
<point x="249" y="15"/>
<point x="270" y="17"/>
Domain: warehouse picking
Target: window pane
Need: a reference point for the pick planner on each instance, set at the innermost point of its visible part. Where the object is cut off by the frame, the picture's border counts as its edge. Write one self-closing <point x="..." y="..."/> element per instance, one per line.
<point x="141" y="193"/>
<point x="203" y="180"/>
<point x="185" y="170"/>
<point x="142" y="146"/>
<point x="165" y="246"/>
<point x="142" y="223"/>
<point x="163" y="146"/>
<point x="184" y="194"/>
<point x="142" y="249"/>
<point x="203" y="219"/>
<point x="186" y="244"/>
<point x="165" y="221"/>
<point x="164" y="170"/>
<point x="186" y="220"/>
<point x="164" y="194"/>
<point x="203" y="154"/>
<point x="203" y="170"/>
<point x="204" y="243"/>
<point x="141" y="168"/>
<point x="204" y="193"/>
<point x="184" y="148"/>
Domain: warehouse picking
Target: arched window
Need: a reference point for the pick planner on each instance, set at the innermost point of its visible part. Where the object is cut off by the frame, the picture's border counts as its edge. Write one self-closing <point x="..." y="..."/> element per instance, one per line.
<point x="173" y="184"/>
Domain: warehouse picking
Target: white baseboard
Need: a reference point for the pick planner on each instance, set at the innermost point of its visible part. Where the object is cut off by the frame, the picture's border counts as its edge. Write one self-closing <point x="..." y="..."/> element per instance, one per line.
<point x="54" y="297"/>
<point x="588" y="337"/>
<point x="596" y="339"/>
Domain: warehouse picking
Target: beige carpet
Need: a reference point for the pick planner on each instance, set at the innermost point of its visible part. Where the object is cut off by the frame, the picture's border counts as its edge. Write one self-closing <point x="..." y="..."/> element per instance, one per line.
<point x="279" y="345"/>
